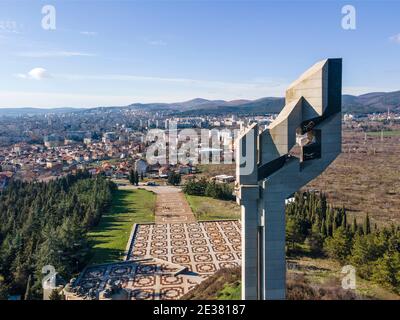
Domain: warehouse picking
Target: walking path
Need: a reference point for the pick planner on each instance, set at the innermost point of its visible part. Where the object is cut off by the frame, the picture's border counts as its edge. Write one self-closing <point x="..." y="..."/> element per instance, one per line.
<point x="171" y="204"/>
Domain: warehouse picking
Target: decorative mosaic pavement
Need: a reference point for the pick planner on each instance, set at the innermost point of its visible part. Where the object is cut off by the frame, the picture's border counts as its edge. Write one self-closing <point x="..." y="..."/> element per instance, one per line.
<point x="148" y="278"/>
<point x="202" y="247"/>
<point x="165" y="261"/>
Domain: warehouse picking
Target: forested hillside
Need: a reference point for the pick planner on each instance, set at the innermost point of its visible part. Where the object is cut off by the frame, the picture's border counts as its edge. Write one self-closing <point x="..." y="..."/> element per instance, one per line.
<point x="46" y="224"/>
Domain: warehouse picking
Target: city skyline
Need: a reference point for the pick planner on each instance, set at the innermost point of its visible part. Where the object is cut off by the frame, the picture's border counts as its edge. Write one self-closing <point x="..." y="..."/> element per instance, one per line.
<point x="106" y="55"/>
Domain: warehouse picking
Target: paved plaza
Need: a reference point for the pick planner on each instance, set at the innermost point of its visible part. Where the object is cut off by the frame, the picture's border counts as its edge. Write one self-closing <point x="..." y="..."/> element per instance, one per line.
<point x="165" y="261"/>
<point x="168" y="258"/>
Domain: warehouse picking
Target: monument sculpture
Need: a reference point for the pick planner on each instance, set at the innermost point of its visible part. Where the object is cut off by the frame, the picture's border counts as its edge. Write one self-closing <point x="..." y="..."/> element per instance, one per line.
<point x="275" y="162"/>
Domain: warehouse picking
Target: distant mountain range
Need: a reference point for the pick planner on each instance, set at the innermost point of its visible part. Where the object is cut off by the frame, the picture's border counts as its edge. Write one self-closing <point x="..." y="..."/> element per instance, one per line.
<point x="366" y="103"/>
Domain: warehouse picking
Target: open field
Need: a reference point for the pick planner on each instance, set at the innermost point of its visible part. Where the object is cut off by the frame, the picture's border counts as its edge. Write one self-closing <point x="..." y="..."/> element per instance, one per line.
<point x="327" y="273"/>
<point x="110" y="237"/>
<point x="365" y="178"/>
<point x="206" y="208"/>
<point x="392" y="133"/>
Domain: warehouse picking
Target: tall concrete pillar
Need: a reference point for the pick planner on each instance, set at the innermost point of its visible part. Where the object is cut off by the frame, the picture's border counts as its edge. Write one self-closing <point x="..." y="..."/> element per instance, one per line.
<point x="273" y="236"/>
<point x="250" y="223"/>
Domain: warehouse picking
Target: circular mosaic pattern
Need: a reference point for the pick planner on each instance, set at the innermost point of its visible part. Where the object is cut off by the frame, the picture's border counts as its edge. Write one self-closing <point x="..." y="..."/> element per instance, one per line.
<point x="221" y="248"/>
<point x="196" y="235"/>
<point x="198" y="242"/>
<point x="181" y="259"/>
<point x="193" y="224"/>
<point x="158" y="251"/>
<point x="179" y="243"/>
<point x="203" y="258"/>
<point x="224" y="256"/>
<point x="180" y="250"/>
<point x="228" y="228"/>
<point x="177" y="230"/>
<point x="177" y="225"/>
<point x="171" y="293"/>
<point x="120" y="270"/>
<point x="205" y="267"/>
<point x="160" y="231"/>
<point x="232" y="234"/>
<point x="139" y="252"/>
<point x="217" y="241"/>
<point x="194" y="229"/>
<point x="140" y="244"/>
<point x="160" y="226"/>
<point x="142" y="238"/>
<point x="144" y="281"/>
<point x="178" y="236"/>
<point x="235" y="240"/>
<point x="145" y="294"/>
<point x="168" y="280"/>
<point x="200" y="249"/>
<point x="159" y="237"/>
<point x="215" y="235"/>
<point x="159" y="244"/>
<point x="146" y="268"/>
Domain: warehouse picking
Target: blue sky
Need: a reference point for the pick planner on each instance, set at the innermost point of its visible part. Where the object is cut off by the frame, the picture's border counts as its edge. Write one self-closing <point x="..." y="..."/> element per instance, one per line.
<point x="120" y="52"/>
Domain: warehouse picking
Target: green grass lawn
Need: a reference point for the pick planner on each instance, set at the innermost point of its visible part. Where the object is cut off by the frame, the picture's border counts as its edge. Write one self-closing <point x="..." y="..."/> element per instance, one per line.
<point x="392" y="133"/>
<point x="111" y="236"/>
<point x="206" y="208"/>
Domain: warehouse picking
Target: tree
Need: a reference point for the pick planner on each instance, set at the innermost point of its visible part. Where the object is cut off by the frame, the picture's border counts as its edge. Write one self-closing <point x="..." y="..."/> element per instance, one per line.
<point x="174" y="178"/>
<point x="55" y="295"/>
<point x="136" y="178"/>
<point x="315" y="240"/>
<point x="294" y="231"/>
<point x="367" y="225"/>
<point x="131" y="177"/>
<point x="354" y="226"/>
<point x="339" y="245"/>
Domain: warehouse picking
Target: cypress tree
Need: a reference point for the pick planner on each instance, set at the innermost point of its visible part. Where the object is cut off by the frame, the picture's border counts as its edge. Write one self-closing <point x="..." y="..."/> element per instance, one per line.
<point x="354" y="226"/>
<point x="367" y="225"/>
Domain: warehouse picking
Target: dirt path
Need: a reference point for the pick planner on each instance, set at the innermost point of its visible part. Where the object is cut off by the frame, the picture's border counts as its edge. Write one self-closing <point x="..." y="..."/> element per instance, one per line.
<point x="171" y="204"/>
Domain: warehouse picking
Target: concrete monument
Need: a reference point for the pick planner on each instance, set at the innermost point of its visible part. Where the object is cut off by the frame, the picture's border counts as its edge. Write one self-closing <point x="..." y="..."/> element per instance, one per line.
<point x="276" y="162"/>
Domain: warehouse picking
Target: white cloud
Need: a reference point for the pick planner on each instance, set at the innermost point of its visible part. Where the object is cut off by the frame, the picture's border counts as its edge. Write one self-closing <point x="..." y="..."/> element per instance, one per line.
<point x="35" y="74"/>
<point x="157" y="42"/>
<point x="54" y="54"/>
<point x="395" y="38"/>
<point x="89" y="33"/>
